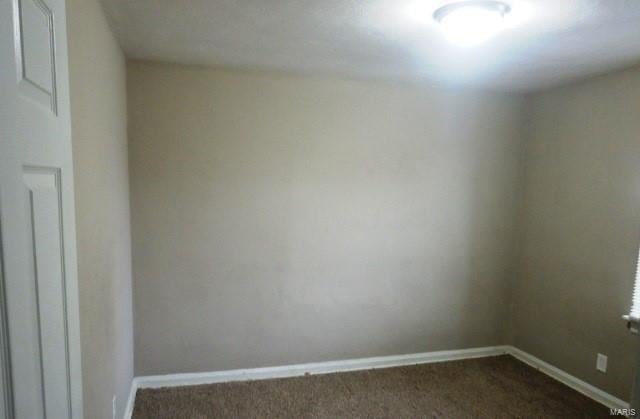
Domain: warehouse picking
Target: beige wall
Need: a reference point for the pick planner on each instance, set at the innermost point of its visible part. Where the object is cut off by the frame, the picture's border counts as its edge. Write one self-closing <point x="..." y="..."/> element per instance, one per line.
<point x="282" y="219"/>
<point x="98" y="105"/>
<point x="581" y="229"/>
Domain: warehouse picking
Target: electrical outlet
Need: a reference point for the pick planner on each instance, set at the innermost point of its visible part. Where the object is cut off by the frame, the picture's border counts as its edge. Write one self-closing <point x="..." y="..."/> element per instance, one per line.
<point x="113" y="403"/>
<point x="601" y="363"/>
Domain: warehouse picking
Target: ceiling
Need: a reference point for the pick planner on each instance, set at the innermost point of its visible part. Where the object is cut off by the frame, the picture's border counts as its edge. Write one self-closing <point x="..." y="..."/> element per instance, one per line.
<point x="547" y="42"/>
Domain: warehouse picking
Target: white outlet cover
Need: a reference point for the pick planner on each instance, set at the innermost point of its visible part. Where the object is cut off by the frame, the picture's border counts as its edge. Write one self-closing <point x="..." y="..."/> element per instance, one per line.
<point x="601" y="363"/>
<point x="113" y="402"/>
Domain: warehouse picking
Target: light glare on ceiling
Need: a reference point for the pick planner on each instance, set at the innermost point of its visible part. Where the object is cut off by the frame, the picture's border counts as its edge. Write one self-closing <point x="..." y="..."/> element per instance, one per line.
<point x="470" y="23"/>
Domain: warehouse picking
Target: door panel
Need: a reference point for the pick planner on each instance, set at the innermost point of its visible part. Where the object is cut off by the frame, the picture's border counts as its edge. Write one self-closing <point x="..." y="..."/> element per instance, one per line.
<point x="35" y="44"/>
<point x="39" y="325"/>
<point x="44" y="217"/>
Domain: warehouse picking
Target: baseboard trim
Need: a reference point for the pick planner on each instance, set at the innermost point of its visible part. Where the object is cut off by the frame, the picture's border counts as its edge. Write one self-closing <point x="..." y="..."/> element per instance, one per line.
<point x="179" y="380"/>
<point x="128" y="412"/>
<point x="314" y="368"/>
<point x="569" y="380"/>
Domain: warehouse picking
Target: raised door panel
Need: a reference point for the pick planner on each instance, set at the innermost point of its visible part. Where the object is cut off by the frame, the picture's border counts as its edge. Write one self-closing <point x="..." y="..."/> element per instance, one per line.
<point x="44" y="210"/>
<point x="35" y="51"/>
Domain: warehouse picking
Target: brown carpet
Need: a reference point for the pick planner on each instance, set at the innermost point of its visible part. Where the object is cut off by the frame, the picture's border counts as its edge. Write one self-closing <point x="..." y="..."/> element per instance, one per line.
<point x="488" y="387"/>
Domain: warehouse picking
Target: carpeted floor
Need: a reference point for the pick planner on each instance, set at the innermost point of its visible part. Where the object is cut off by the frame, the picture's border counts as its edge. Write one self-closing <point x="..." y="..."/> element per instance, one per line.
<point x="487" y="387"/>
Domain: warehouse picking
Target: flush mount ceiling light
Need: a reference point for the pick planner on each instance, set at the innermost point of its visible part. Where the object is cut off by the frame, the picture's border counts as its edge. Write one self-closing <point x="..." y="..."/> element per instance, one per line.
<point x="469" y="23"/>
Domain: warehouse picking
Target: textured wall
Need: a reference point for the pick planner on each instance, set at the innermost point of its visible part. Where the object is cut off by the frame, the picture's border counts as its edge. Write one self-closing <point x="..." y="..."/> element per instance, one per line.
<point x="279" y="220"/>
<point x="99" y="135"/>
<point x="581" y="229"/>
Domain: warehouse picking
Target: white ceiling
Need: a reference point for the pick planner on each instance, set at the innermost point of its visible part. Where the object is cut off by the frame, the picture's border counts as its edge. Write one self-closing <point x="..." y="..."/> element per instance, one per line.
<point x="548" y="42"/>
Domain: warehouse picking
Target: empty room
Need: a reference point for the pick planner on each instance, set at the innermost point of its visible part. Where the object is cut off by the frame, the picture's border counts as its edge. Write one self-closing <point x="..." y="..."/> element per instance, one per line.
<point x="319" y="209"/>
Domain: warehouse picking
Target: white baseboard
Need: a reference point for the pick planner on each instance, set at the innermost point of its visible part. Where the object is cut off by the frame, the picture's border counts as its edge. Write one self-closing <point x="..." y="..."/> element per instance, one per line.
<point x="177" y="380"/>
<point x="314" y="368"/>
<point x="128" y="412"/>
<point x="569" y="380"/>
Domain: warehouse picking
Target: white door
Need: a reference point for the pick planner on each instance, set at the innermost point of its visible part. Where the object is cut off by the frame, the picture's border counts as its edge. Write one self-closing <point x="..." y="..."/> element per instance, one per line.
<point x="39" y="330"/>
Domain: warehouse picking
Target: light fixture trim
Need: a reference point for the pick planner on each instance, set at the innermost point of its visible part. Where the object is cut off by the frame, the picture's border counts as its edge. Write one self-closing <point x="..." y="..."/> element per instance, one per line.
<point x="488" y="5"/>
